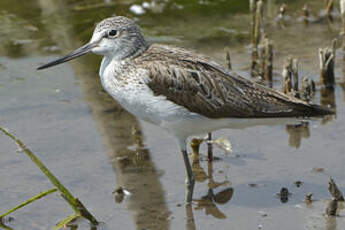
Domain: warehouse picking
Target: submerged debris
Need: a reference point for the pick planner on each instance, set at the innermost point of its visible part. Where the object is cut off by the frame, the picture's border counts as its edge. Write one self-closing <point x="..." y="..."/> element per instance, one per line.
<point x="263" y="214"/>
<point x="335" y="192"/>
<point x="298" y="183"/>
<point x="318" y="170"/>
<point x="284" y="195"/>
<point x="308" y="198"/>
<point x="120" y="194"/>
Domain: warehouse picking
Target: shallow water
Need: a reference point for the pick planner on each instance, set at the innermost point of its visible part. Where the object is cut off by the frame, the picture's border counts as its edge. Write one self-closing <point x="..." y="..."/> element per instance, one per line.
<point x="93" y="146"/>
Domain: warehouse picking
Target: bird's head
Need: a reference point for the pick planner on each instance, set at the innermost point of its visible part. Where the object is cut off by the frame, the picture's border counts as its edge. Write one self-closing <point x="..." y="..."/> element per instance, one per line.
<point x="116" y="37"/>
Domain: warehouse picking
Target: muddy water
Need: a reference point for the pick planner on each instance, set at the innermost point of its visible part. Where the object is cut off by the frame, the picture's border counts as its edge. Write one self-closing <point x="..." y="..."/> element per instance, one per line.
<point x="94" y="146"/>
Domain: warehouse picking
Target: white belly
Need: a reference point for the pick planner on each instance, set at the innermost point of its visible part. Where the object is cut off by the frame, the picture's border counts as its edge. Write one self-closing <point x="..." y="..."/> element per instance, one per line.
<point x="137" y="98"/>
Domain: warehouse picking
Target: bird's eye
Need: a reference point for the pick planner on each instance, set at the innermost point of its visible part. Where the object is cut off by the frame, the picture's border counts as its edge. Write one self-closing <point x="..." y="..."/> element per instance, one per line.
<point x="112" y="33"/>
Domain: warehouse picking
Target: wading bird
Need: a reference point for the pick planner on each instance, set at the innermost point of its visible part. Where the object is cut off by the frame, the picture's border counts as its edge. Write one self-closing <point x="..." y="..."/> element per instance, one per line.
<point x="181" y="91"/>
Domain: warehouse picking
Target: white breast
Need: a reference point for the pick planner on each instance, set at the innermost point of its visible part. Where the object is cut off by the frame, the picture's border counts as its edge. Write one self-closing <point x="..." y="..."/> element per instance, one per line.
<point x="129" y="87"/>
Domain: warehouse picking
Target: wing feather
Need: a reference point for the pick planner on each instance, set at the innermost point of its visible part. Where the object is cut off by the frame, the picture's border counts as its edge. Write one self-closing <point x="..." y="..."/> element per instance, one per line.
<point x="203" y="86"/>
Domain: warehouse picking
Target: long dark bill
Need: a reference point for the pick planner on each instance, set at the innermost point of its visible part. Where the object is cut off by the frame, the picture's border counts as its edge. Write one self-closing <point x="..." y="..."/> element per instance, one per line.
<point x="74" y="54"/>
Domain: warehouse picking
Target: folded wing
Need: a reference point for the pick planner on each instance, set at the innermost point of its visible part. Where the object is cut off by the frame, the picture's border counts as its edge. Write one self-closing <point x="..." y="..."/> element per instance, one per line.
<point x="203" y="86"/>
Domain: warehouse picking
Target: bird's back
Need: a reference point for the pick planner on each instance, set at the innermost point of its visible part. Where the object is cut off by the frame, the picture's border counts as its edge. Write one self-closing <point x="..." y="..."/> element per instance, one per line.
<point x="203" y="86"/>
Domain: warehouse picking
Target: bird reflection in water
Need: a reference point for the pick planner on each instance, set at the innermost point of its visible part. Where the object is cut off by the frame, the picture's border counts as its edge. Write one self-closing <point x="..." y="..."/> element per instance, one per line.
<point x="210" y="201"/>
<point x="297" y="133"/>
<point x="300" y="131"/>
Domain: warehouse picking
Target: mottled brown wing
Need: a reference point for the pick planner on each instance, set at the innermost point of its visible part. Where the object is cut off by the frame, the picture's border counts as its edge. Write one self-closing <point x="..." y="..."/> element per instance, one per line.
<point x="204" y="87"/>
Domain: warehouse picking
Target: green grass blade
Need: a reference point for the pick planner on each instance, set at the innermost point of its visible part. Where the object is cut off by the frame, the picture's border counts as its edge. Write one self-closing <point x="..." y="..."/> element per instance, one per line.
<point x="66" y="221"/>
<point x="38" y="196"/>
<point x="76" y="205"/>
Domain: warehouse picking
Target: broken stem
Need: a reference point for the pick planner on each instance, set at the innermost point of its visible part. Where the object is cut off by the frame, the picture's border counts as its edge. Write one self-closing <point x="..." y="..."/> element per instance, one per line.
<point x="268" y="67"/>
<point x="228" y="60"/>
<point x="327" y="61"/>
<point x="257" y="17"/>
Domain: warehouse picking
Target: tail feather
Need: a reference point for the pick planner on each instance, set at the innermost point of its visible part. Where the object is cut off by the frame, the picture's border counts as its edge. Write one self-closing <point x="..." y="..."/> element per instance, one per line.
<point x="317" y="110"/>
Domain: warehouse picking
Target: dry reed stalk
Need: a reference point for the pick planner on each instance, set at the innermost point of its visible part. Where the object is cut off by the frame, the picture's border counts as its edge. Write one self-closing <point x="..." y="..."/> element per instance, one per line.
<point x="327" y="61"/>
